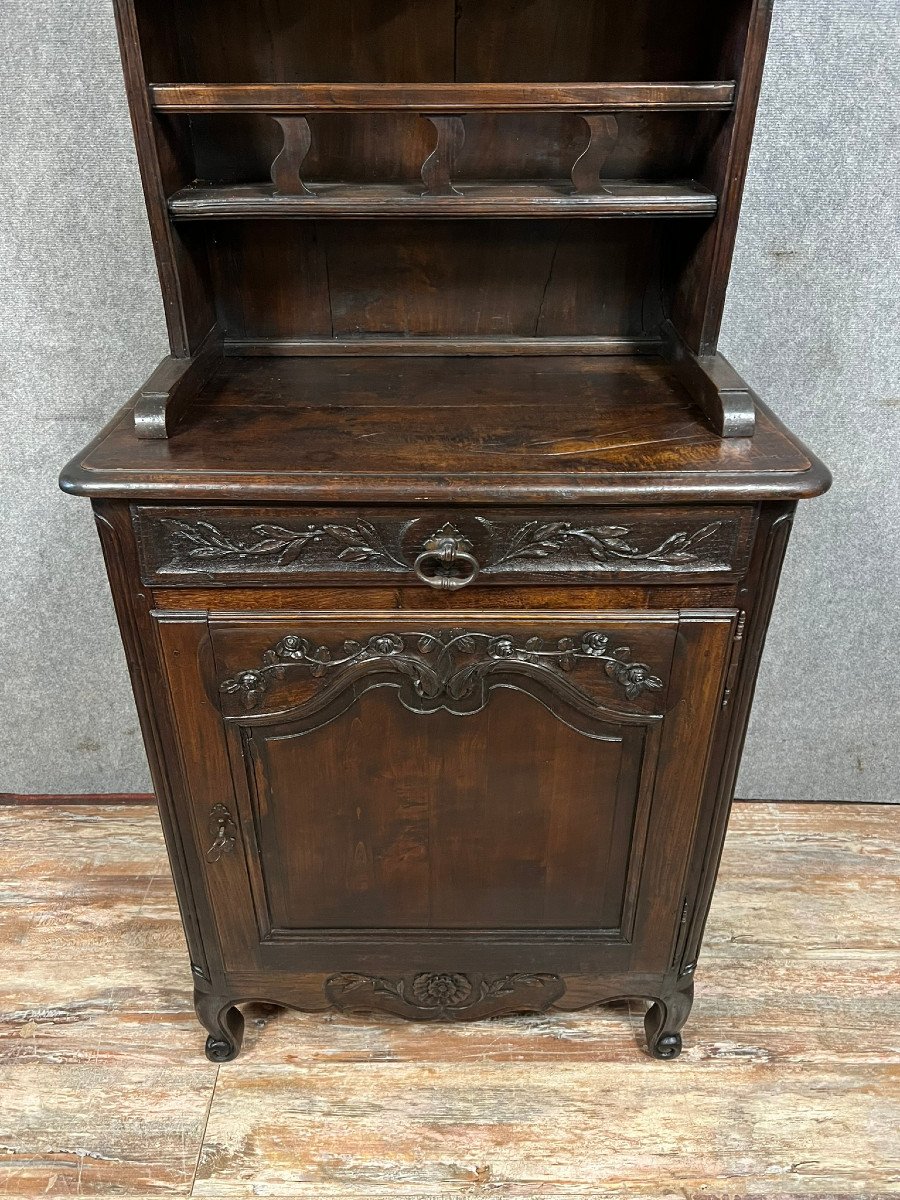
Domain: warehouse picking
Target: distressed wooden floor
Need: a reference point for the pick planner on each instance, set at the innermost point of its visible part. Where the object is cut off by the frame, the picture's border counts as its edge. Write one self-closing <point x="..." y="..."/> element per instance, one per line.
<point x="789" y="1084"/>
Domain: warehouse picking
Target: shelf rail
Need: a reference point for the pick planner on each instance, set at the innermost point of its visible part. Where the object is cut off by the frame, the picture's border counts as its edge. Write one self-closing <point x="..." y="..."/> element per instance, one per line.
<point x="445" y="107"/>
<point x="450" y="98"/>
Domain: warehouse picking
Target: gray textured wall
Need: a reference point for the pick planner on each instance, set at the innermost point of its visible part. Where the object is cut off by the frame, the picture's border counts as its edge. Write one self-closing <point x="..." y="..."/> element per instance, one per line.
<point x="812" y="321"/>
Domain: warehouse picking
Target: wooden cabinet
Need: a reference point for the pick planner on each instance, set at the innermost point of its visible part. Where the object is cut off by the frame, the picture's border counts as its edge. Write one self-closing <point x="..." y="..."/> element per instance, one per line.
<point x="444" y="544"/>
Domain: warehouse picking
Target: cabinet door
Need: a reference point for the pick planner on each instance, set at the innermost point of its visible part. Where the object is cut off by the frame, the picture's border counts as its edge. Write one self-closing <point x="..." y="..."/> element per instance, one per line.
<point x="367" y="788"/>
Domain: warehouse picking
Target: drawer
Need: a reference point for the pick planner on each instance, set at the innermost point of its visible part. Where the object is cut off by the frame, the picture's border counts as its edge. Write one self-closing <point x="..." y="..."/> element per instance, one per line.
<point x="446" y="548"/>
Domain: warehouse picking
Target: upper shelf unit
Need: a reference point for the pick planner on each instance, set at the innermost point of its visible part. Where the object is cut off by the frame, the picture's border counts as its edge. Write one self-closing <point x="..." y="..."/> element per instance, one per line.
<point x="247" y="110"/>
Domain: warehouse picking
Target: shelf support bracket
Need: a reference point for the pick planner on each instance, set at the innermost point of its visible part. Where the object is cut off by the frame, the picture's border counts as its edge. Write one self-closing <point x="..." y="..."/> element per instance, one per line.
<point x="439" y="167"/>
<point x="603" y="131"/>
<point x="714" y="384"/>
<point x="286" y="167"/>
<point x="163" y="399"/>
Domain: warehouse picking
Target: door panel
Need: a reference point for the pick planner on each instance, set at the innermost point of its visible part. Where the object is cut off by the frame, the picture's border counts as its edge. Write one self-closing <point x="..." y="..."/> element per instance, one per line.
<point x="403" y="790"/>
<point x="388" y="818"/>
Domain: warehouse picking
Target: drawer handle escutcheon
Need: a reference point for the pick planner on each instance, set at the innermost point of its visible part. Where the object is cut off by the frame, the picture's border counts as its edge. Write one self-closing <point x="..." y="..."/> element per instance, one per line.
<point x="446" y="562"/>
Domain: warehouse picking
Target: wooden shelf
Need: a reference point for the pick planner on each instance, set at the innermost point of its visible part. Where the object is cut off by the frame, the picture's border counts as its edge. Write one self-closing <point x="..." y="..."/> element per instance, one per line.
<point x="506" y="199"/>
<point x="287" y="98"/>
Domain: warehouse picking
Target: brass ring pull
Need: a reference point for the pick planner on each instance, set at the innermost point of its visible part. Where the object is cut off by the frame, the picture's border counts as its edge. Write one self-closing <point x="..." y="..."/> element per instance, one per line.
<point x="446" y="563"/>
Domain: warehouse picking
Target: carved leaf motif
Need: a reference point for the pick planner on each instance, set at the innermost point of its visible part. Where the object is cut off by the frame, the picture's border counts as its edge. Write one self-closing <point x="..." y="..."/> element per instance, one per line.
<point x="604" y="543"/>
<point x="463" y="642"/>
<point x="362" y="543"/>
<point x="681" y="547"/>
<point x="355" y="547"/>
<point x="205" y="538"/>
<point x="427" y="683"/>
<point x="278" y="532"/>
<point x="385" y="987"/>
<point x="358" y="543"/>
<point x="292" y="550"/>
<point x="350" y="983"/>
<point x="462" y="683"/>
<point x="534" y="540"/>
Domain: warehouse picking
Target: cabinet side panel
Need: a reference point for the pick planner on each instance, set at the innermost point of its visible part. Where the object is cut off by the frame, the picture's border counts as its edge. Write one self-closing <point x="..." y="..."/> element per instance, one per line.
<point x="166" y="163"/>
<point x="147" y="681"/>
<point x="758" y="598"/>
<point x="700" y="296"/>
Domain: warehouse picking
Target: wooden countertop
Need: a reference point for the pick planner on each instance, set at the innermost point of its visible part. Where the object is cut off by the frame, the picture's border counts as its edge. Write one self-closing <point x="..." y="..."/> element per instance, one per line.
<point x="571" y="429"/>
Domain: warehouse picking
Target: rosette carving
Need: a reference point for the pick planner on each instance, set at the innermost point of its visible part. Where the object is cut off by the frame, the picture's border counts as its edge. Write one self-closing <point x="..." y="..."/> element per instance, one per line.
<point x="445" y="666"/>
<point x="444" y="995"/>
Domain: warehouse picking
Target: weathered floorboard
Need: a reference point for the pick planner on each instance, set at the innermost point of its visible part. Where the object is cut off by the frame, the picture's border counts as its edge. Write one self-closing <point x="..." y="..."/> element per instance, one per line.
<point x="789" y="1084"/>
<point x="102" y="1091"/>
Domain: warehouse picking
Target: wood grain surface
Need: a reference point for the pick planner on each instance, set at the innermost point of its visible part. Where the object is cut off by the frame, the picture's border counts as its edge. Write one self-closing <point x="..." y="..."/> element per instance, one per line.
<point x="580" y="429"/>
<point x="789" y="1084"/>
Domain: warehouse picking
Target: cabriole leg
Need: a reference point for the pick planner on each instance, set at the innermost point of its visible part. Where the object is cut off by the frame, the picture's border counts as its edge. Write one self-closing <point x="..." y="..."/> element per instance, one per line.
<point x="225" y="1024"/>
<point x="665" y="1019"/>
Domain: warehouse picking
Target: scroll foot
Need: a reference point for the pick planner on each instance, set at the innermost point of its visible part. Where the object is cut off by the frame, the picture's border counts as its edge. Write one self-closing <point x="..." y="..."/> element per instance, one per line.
<point x="224" y="1023"/>
<point x="665" y="1019"/>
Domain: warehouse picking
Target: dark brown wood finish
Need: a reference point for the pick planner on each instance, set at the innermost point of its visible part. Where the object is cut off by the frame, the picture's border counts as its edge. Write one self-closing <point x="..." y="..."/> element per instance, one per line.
<point x="162" y="400"/>
<point x="452" y="198"/>
<point x="447" y="549"/>
<point x="444" y="544"/>
<point x="439" y="98"/>
<point x="440" y="429"/>
<point x="165" y="156"/>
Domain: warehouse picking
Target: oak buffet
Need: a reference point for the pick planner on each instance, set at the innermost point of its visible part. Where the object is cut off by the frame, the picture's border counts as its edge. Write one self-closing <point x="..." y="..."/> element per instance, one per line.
<point x="444" y="544"/>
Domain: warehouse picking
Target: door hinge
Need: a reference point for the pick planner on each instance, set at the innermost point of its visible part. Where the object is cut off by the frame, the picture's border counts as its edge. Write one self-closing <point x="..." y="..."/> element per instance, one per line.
<point x="734" y="661"/>
<point x="682" y="923"/>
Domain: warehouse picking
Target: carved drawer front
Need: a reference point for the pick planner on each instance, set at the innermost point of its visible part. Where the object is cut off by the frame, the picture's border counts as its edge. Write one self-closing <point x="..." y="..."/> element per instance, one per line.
<point x="446" y="549"/>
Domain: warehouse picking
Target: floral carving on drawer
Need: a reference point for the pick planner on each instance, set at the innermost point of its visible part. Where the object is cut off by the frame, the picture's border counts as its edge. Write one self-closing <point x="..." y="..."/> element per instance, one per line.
<point x="231" y="544"/>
